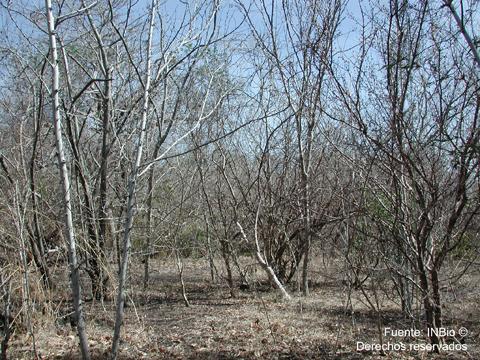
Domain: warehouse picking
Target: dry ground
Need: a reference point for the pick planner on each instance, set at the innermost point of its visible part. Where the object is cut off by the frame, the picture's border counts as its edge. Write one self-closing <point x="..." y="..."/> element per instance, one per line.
<point x="256" y="324"/>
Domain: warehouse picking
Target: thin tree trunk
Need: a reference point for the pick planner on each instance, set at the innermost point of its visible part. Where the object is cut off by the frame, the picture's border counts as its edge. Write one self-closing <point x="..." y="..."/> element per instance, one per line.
<point x="7" y="319"/>
<point x="205" y="217"/>
<point x="180" y="275"/>
<point x="131" y="197"/>
<point x="306" y="262"/>
<point x="99" y="276"/>
<point x="267" y="268"/>
<point x="93" y="252"/>
<point x="209" y="251"/>
<point x="160" y="140"/>
<point x="37" y="242"/>
<point x="463" y="30"/>
<point x="26" y="298"/>
<point x="427" y="304"/>
<point x="65" y="181"/>
<point x="437" y="308"/>
<point x="103" y="211"/>
<point x="148" y="245"/>
<point x="305" y="155"/>
<point x="111" y="244"/>
<point x="226" y="258"/>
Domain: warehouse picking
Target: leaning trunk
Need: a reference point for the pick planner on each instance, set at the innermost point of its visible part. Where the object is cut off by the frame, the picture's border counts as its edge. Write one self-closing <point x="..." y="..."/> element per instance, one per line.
<point x="264" y="265"/>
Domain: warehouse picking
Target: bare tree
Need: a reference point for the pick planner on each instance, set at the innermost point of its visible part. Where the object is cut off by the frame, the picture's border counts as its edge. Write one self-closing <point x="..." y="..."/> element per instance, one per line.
<point x="131" y="192"/>
<point x="65" y="183"/>
<point x="421" y="163"/>
<point x="299" y="58"/>
<point x="461" y="23"/>
<point x="268" y="269"/>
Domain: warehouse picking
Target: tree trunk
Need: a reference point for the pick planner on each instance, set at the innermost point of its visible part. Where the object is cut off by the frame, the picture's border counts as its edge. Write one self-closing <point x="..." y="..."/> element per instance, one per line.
<point x="132" y="181"/>
<point x="179" y="263"/>
<point x="5" y="317"/>
<point x="436" y="303"/>
<point x="427" y="304"/>
<point x="209" y="251"/>
<point x="99" y="276"/>
<point x="102" y="207"/>
<point x="264" y="265"/>
<point x="148" y="245"/>
<point x="37" y="241"/>
<point x="65" y="181"/>
<point x="226" y="259"/>
<point x="306" y="262"/>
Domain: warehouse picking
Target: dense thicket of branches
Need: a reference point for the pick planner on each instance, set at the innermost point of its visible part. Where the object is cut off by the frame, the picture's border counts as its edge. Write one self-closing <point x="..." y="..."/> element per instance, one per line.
<point x="236" y="128"/>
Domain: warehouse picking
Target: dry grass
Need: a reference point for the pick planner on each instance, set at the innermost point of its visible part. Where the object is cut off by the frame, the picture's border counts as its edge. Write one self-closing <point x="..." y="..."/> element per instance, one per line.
<point x="257" y="324"/>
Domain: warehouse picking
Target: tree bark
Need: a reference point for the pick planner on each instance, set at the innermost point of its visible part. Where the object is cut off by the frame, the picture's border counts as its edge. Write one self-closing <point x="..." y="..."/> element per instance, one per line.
<point x="148" y="245"/>
<point x="264" y="265"/>
<point x="65" y="182"/>
<point x="37" y="241"/>
<point x="131" y="196"/>
<point x="5" y="317"/>
<point x="100" y="278"/>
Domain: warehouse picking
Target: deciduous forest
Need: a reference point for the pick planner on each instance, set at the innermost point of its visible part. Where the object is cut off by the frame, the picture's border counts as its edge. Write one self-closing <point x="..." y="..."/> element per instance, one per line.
<point x="251" y="179"/>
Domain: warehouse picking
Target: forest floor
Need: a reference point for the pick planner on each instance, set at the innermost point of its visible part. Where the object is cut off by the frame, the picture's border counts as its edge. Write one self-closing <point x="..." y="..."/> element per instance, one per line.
<point x="255" y="324"/>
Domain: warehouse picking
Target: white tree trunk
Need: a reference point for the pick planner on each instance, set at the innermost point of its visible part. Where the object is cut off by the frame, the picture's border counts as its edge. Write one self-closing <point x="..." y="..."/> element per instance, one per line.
<point x="267" y="268"/>
<point x="65" y="181"/>
<point x="131" y="196"/>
